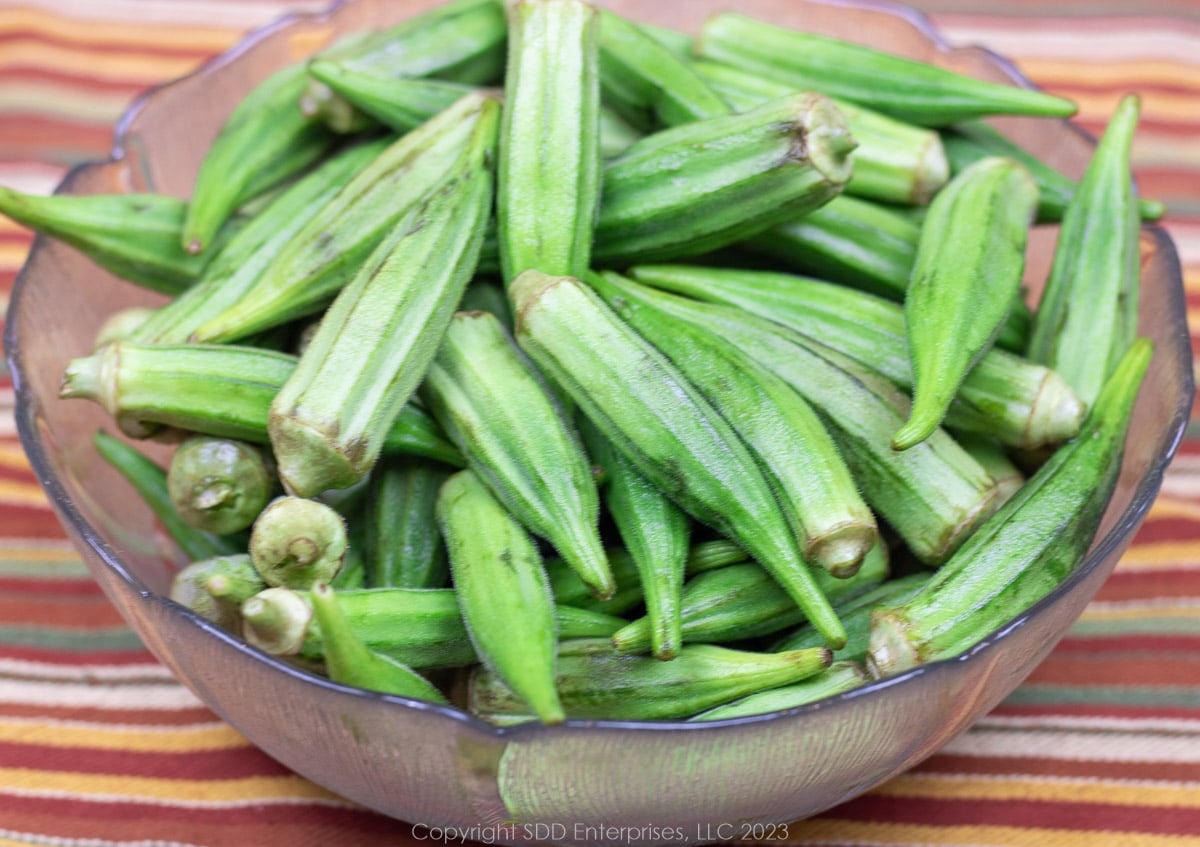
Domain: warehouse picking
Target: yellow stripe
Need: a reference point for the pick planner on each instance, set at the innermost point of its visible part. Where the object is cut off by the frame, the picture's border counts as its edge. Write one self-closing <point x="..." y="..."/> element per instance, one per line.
<point x="1130" y="75"/>
<point x="12" y="256"/>
<point x="142" y="789"/>
<point x="73" y="103"/>
<point x="22" y="493"/>
<point x="1137" y="611"/>
<point x="133" y="67"/>
<point x="847" y="832"/>
<point x="123" y="34"/>
<point x="38" y="554"/>
<point x="134" y="739"/>
<point x="933" y="786"/>
<point x="1155" y="554"/>
<point x="12" y="456"/>
<point x="1170" y="507"/>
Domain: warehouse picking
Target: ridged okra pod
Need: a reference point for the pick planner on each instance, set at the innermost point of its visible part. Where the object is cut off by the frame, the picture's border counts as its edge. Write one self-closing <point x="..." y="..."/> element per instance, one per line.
<point x="839" y="677"/>
<point x="911" y="91"/>
<point x="655" y="533"/>
<point x="214" y="389"/>
<point x="502" y="591"/>
<point x="966" y="278"/>
<point x="334" y="244"/>
<point x="514" y="434"/>
<point x="237" y="266"/>
<point x="646" y="83"/>
<point x="933" y="495"/>
<point x="265" y="140"/>
<point x="703" y="185"/>
<point x="1019" y="403"/>
<point x="740" y="602"/>
<point x="816" y="492"/>
<point x="649" y="410"/>
<point x="570" y="590"/>
<point x="330" y="419"/>
<point x="1027" y="548"/>
<point x="596" y="682"/>
<point x="351" y="662"/>
<point x="149" y="480"/>
<point x="295" y="543"/>
<point x="220" y="484"/>
<point x="403" y="546"/>
<point x="968" y="142"/>
<point x="710" y="555"/>
<point x="401" y="104"/>
<point x="895" y="161"/>
<point x="1088" y="313"/>
<point x="133" y="236"/>
<point x="216" y="588"/>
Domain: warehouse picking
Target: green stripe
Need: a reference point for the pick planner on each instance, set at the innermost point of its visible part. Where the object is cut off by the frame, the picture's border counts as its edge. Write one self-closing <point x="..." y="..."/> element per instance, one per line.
<point x="44" y="570"/>
<point x="81" y="641"/>
<point x="1158" y="696"/>
<point x="1137" y="626"/>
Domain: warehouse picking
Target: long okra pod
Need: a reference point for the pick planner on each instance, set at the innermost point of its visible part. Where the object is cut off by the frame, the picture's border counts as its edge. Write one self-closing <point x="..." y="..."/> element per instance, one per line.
<point x="642" y="403"/>
<point x="839" y="677"/>
<point x="502" y="590"/>
<point x="1026" y="549"/>
<point x="966" y="278"/>
<point x="515" y="436"/>
<point x="404" y="548"/>
<point x="1087" y="316"/>
<point x="912" y="91"/>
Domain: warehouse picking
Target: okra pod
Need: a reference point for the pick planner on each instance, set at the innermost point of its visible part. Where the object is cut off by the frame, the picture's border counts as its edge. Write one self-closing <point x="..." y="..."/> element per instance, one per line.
<point x="122" y="325"/>
<point x="710" y="555"/>
<point x="912" y="91"/>
<point x="1021" y="404"/>
<point x="220" y="485"/>
<point x="703" y="185"/>
<point x="966" y="277"/>
<point x="266" y="129"/>
<point x="502" y="591"/>
<point x="839" y="677"/>
<point x="570" y="590"/>
<point x="214" y="389"/>
<point x="515" y="436"/>
<point x="646" y="407"/>
<point x="549" y="166"/>
<point x="596" y="682"/>
<point x="330" y="419"/>
<point x="1026" y="549"/>
<point x="832" y="524"/>
<point x="404" y="547"/>
<point x="1087" y="317"/>
<point x="992" y="457"/>
<point x="215" y="588"/>
<point x="401" y="104"/>
<point x="483" y="295"/>
<point x="655" y="533"/>
<point x="297" y="542"/>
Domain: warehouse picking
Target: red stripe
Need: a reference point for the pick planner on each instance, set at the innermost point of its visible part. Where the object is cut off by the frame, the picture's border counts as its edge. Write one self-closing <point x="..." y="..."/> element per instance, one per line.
<point x="232" y="763"/>
<point x="1169" y="529"/>
<point x="53" y="656"/>
<point x="27" y="74"/>
<point x="1163" y="645"/>
<point x="33" y="135"/>
<point x="1020" y="766"/>
<point x="49" y="586"/>
<point x="1118" y="669"/>
<point x="66" y="612"/>
<point x="29" y="521"/>
<point x="1096" y="710"/>
<point x="1179" y="582"/>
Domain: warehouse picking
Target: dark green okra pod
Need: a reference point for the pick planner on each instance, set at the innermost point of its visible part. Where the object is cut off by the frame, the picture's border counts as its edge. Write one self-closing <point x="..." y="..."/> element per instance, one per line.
<point x="503" y="592"/>
<point x="220" y="484"/>
<point x="513" y="433"/>
<point x="1087" y="317"/>
<point x="966" y="278"/>
<point x="296" y="542"/>
<point x="642" y="403"/>
<point x="911" y="91"/>
<point x="1026" y="549"/>
<point x="570" y="590"/>
<point x="404" y="547"/>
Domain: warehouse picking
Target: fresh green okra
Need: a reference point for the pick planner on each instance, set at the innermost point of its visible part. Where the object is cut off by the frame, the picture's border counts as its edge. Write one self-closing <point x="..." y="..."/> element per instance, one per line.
<point x="1088" y="314"/>
<point x="122" y="325"/>
<point x="832" y="524"/>
<point x="133" y="236"/>
<point x="237" y="266"/>
<point x="740" y="602"/>
<point x="1021" y="404"/>
<point x="679" y="43"/>
<point x="646" y="407"/>
<point x="404" y="547"/>
<point x="502" y="591"/>
<point x="570" y="590"/>
<point x="655" y="533"/>
<point x="484" y="295"/>
<point x="911" y="91"/>
<point x="215" y="588"/>
<point x="933" y="498"/>
<point x="220" y="485"/>
<point x="839" y="677"/>
<point x="149" y="480"/>
<point x="992" y="457"/>
<point x="515" y="436"/>
<point x="335" y="243"/>
<point x="549" y="167"/>
<point x="648" y="84"/>
<point x="296" y="542"/>
<point x="596" y="682"/>
<point x="1026" y="549"/>
<point x="966" y="277"/>
<point x="330" y="420"/>
<point x="894" y="162"/>
<point x="214" y="389"/>
<point x="264" y="141"/>
<point x="351" y="662"/>
<point x="968" y="142"/>
<point x="710" y="555"/>
<point x="401" y="104"/>
<point x="703" y="185"/>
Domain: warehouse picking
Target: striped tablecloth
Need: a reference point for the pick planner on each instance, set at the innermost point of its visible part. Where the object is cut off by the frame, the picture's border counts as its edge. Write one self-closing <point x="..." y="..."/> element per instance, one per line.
<point x="100" y="746"/>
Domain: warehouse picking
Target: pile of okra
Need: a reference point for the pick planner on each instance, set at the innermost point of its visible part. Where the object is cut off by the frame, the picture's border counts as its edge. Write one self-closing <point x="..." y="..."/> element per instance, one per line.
<point x="556" y="365"/>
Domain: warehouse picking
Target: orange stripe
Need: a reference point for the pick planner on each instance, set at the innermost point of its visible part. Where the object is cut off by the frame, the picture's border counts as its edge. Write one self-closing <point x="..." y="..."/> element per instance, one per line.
<point x="128" y="34"/>
<point x="843" y="832"/>
<point x="937" y="787"/>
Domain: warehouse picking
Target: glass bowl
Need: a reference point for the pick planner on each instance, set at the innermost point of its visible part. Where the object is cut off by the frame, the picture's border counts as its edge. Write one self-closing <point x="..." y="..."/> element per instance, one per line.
<point x="584" y="782"/>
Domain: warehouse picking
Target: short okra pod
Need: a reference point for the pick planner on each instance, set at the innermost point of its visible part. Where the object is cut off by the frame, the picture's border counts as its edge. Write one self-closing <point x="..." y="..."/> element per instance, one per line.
<point x="403" y="546"/>
<point x="912" y="91"/>
<point x="649" y="410"/>
<point x="220" y="484"/>
<point x="966" y="278"/>
<point x="296" y="542"/>
<point x="503" y="592"/>
<point x="215" y="588"/>
<point x="839" y="677"/>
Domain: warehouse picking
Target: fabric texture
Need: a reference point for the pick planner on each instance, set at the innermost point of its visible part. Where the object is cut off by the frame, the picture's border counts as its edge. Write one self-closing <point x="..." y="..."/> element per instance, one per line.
<point x="99" y="745"/>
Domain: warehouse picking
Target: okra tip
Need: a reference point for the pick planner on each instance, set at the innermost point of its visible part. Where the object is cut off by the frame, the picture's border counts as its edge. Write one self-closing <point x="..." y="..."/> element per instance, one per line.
<point x="889" y="648"/>
<point x="841" y="552"/>
<point x="825" y="140"/>
<point x="276" y="621"/>
<point x="1056" y="414"/>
